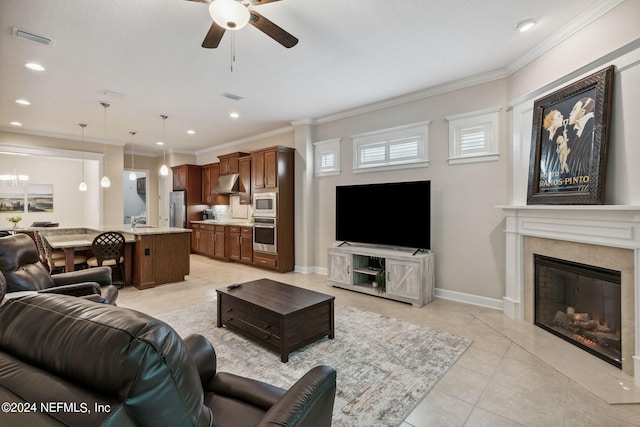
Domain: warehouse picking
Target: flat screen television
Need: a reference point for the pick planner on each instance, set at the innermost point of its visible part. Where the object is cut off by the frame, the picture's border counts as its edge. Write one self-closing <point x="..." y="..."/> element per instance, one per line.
<point x="392" y="214"/>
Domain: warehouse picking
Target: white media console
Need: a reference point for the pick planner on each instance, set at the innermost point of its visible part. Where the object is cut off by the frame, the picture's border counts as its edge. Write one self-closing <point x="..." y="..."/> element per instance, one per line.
<point x="409" y="277"/>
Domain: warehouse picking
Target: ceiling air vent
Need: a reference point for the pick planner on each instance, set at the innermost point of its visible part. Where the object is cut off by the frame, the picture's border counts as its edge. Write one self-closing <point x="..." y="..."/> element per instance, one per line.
<point x="231" y="96"/>
<point x="33" y="37"/>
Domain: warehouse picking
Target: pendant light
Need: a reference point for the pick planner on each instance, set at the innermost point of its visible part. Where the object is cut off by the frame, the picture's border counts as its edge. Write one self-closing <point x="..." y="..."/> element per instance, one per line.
<point x="83" y="184"/>
<point x="105" y="182"/>
<point x="132" y="174"/>
<point x="164" y="170"/>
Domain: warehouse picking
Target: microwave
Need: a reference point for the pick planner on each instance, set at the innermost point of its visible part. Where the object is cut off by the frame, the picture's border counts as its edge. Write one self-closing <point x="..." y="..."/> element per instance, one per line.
<point x="265" y="204"/>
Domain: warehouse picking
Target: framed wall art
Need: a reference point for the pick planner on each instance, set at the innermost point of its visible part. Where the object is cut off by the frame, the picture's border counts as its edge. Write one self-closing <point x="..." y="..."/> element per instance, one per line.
<point x="569" y="143"/>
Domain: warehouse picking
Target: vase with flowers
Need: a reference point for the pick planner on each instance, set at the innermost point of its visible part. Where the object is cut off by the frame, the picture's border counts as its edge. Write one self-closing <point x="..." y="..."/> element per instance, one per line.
<point x="15" y="220"/>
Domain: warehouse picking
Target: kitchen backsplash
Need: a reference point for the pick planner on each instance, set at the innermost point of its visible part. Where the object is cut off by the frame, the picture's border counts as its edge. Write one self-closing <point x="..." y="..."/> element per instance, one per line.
<point x="233" y="211"/>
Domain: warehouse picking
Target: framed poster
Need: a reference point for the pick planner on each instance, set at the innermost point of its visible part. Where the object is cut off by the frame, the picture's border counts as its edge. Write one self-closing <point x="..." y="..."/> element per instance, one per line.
<point x="569" y="143"/>
<point x="12" y="199"/>
<point x="40" y="198"/>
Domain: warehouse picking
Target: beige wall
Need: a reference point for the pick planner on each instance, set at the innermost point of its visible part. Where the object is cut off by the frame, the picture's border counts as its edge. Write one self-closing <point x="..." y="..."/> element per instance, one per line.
<point x="112" y="198"/>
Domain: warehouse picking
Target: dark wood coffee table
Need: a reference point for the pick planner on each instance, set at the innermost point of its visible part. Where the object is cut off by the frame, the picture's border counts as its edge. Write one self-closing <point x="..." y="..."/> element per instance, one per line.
<point x="281" y="316"/>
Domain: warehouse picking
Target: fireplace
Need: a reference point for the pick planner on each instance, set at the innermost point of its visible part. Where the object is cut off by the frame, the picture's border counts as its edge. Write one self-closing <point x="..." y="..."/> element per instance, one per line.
<point x="581" y="304"/>
<point x="605" y="236"/>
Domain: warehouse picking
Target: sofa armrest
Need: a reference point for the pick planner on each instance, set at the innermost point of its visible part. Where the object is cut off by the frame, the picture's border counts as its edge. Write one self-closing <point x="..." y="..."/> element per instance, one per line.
<point x="100" y="275"/>
<point x="309" y="402"/>
<point x="253" y="392"/>
<point x="75" y="289"/>
<point x="204" y="355"/>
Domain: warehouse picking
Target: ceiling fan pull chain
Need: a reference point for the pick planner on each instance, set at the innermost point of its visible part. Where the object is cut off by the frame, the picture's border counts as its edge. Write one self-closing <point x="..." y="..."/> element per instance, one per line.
<point x="233" y="49"/>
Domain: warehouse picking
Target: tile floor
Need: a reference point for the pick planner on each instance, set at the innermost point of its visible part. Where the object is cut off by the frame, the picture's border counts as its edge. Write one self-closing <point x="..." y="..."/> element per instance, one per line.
<point x="510" y="376"/>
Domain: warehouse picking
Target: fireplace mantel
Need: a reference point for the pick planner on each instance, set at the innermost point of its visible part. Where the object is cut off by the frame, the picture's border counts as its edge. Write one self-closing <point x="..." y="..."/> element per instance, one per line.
<point x="615" y="226"/>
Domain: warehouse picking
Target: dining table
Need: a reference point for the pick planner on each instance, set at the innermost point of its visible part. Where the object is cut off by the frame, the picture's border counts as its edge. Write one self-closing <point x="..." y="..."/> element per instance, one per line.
<point x="71" y="243"/>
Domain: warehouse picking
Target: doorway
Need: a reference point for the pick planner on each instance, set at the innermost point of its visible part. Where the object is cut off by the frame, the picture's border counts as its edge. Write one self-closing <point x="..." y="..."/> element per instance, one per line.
<point x="135" y="196"/>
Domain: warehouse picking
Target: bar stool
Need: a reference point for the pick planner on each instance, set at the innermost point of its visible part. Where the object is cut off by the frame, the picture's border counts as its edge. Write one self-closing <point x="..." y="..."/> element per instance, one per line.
<point x="108" y="250"/>
<point x="54" y="259"/>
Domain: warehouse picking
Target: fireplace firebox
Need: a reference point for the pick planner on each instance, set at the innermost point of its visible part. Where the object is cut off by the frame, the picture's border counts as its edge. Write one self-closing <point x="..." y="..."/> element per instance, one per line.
<point x="580" y="304"/>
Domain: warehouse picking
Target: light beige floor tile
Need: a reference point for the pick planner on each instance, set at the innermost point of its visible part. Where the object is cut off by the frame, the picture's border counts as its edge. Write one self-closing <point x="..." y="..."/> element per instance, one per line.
<point x="440" y="409"/>
<point x="481" y="418"/>
<point x="500" y="373"/>
<point x="463" y="384"/>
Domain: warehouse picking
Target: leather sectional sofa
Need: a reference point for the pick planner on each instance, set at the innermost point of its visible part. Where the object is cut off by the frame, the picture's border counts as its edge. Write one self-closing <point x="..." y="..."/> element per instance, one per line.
<point x="100" y="365"/>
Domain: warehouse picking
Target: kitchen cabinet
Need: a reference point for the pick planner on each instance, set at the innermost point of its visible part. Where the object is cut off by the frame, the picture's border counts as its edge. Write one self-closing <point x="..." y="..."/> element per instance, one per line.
<point x="209" y="177"/>
<point x="244" y="169"/>
<point x="265" y="168"/>
<point x="409" y="277"/>
<point x="195" y="238"/>
<point x="272" y="170"/>
<point x="241" y="244"/>
<point x="229" y="162"/>
<point x="220" y="242"/>
<point x="188" y="178"/>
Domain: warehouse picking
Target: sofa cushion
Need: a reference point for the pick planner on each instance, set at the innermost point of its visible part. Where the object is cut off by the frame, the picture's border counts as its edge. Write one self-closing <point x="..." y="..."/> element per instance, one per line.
<point x="121" y="355"/>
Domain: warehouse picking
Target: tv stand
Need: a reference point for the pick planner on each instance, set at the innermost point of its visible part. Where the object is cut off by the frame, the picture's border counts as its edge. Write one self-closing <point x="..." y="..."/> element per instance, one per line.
<point x="344" y="243"/>
<point x="409" y="277"/>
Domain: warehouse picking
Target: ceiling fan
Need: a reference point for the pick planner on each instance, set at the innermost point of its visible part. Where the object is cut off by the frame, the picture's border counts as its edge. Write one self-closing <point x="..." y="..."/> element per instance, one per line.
<point x="235" y="14"/>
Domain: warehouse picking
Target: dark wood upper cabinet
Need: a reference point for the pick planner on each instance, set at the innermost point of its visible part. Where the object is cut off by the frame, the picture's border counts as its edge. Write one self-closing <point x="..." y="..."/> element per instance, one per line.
<point x="210" y="175"/>
<point x="265" y="168"/>
<point x="229" y="162"/>
<point x="188" y="178"/>
<point x="244" y="169"/>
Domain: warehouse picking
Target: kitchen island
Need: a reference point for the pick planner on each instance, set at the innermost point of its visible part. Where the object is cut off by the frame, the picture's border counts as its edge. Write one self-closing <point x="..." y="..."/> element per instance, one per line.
<point x="161" y="255"/>
<point x="153" y="255"/>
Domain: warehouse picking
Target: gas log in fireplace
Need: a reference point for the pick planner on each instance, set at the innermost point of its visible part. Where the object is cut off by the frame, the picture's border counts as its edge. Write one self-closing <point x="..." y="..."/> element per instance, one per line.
<point x="580" y="304"/>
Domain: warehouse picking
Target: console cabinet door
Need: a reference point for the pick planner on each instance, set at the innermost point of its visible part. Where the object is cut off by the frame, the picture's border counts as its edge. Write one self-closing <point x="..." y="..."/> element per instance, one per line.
<point x="403" y="278"/>
<point x="340" y="267"/>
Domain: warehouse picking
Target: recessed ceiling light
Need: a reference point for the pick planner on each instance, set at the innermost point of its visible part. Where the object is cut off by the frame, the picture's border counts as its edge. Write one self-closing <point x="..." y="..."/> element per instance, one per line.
<point x="23" y="102"/>
<point x="159" y="143"/>
<point x="525" y="25"/>
<point x="16" y="124"/>
<point x="234" y="115"/>
<point x="191" y="132"/>
<point x="33" y="66"/>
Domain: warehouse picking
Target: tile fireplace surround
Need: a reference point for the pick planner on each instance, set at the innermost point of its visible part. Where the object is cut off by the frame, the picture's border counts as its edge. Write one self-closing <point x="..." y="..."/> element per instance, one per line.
<point x="604" y="235"/>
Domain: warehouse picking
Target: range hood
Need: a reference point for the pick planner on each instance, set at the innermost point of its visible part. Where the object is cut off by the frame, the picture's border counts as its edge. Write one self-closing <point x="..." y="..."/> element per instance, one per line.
<point x="227" y="184"/>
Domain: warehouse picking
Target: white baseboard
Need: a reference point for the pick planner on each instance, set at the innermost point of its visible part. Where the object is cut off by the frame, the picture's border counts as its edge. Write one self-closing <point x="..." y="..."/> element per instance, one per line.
<point x="469" y="298"/>
<point x="310" y="270"/>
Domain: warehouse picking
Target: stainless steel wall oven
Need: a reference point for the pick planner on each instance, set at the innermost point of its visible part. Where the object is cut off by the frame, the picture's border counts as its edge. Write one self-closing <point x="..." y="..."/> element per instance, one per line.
<point x="265" y="235"/>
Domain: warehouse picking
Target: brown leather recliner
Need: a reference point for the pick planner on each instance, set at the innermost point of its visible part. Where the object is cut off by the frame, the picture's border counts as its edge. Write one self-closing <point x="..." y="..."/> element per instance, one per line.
<point x="23" y="271"/>
<point x="113" y="366"/>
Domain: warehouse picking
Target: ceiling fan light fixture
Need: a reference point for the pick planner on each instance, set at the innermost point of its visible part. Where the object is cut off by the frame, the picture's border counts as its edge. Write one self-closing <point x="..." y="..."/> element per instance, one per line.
<point x="229" y="14"/>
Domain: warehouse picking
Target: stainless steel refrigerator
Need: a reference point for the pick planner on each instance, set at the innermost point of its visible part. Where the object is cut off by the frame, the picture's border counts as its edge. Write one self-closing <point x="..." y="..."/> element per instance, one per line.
<point x="177" y="209"/>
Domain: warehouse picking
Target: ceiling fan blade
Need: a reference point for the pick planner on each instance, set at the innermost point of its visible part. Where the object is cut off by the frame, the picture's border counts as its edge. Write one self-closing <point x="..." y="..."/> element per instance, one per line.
<point x="257" y="2"/>
<point x="272" y="30"/>
<point x="213" y="37"/>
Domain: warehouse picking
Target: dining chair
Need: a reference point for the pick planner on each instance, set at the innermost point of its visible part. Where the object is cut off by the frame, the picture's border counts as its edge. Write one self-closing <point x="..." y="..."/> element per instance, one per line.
<point x="54" y="259"/>
<point x="108" y="250"/>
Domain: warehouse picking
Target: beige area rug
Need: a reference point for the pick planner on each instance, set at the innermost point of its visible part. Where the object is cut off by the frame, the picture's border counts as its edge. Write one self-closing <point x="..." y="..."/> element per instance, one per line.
<point x="385" y="366"/>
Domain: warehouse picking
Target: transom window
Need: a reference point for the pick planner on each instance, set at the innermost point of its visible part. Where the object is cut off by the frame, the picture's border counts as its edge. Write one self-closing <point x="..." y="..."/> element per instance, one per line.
<point x="399" y="147"/>
<point x="473" y="137"/>
<point x="327" y="157"/>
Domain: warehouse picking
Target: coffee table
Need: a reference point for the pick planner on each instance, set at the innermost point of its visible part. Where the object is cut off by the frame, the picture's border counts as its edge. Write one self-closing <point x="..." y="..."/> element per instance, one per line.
<point x="283" y="317"/>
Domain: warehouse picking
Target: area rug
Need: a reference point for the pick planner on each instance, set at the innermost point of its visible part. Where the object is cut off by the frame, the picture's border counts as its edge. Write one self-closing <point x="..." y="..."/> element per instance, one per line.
<point x="385" y="366"/>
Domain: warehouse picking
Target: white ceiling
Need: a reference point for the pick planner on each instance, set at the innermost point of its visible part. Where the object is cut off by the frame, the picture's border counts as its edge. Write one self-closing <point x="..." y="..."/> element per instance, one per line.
<point x="351" y="53"/>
